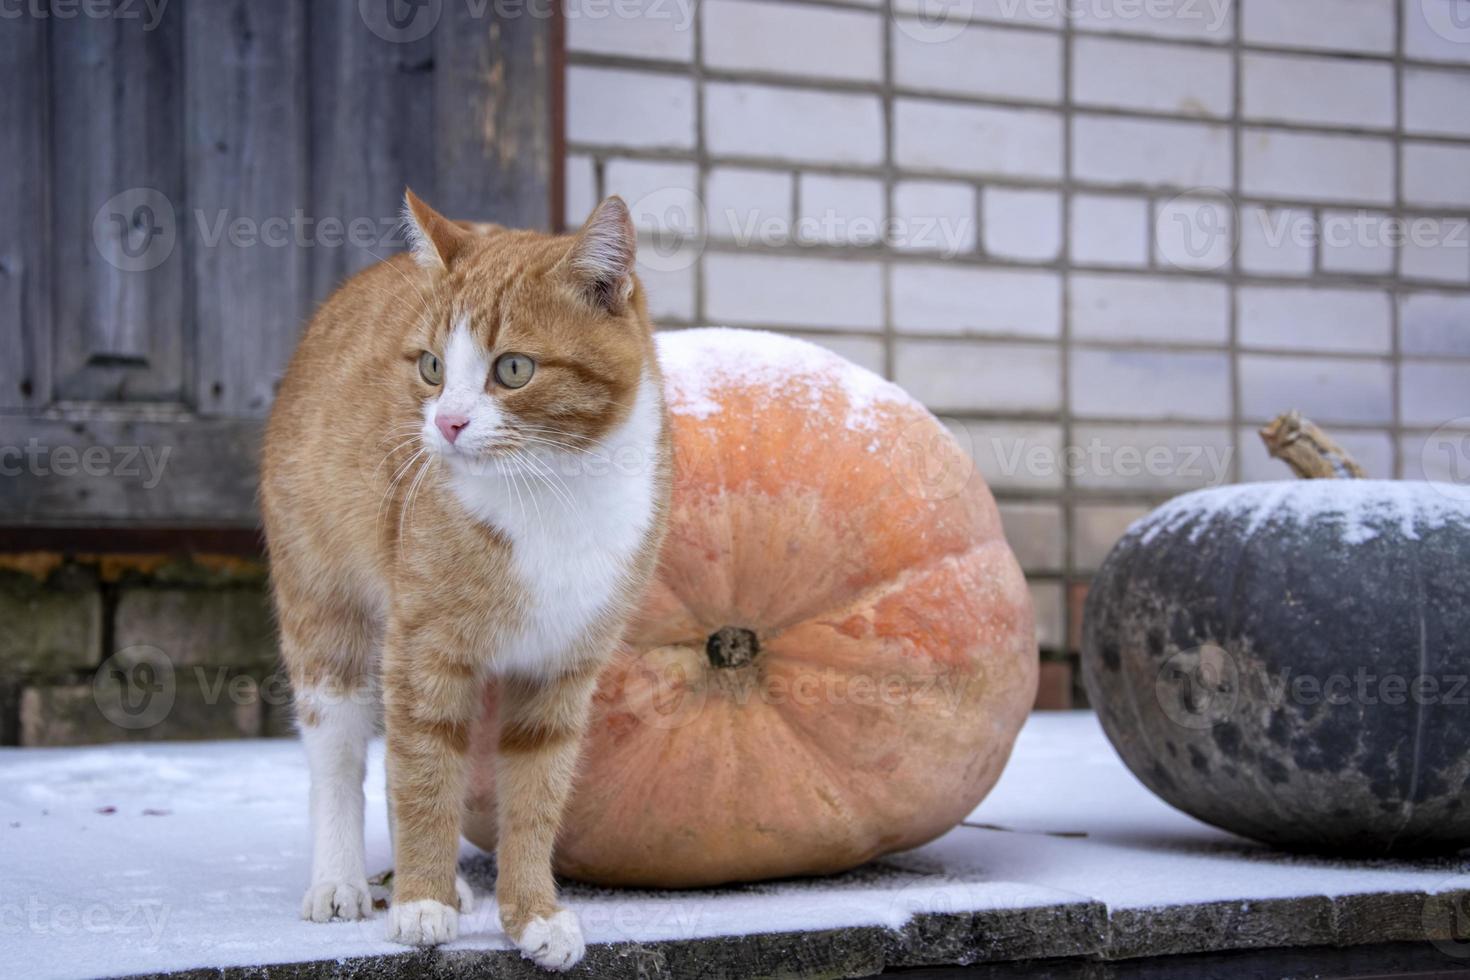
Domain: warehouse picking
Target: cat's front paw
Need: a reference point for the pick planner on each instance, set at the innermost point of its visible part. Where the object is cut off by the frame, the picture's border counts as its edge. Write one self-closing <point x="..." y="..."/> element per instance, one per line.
<point x="422" y="923"/>
<point x="553" y="942"/>
<point x="328" y="900"/>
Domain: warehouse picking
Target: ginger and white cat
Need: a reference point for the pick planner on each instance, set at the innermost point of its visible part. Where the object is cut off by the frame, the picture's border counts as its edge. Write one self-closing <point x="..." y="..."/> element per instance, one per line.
<point x="465" y="477"/>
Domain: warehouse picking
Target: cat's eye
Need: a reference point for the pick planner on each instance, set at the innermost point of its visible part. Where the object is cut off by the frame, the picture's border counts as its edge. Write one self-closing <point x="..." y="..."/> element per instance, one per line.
<point x="430" y="368"/>
<point x="514" y="370"/>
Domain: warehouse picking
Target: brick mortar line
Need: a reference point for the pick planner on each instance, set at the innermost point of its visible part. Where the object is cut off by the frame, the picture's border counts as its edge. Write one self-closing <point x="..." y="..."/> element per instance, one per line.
<point x="1108" y="189"/>
<point x="840" y="86"/>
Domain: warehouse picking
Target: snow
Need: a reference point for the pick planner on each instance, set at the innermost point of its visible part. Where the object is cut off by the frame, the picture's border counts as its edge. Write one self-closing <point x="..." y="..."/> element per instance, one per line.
<point x="127" y="859"/>
<point x="698" y="364"/>
<point x="1361" y="508"/>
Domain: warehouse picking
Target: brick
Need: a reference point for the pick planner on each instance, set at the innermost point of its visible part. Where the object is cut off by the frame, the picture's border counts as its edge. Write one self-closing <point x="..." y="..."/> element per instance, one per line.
<point x="837" y="210"/>
<point x="987" y="140"/>
<point x="749" y="205"/>
<point x="797" y="291"/>
<point x="792" y="39"/>
<point x="1434" y="323"/>
<point x="984" y="61"/>
<point x="1365" y="26"/>
<point x="1372" y="450"/>
<point x="1437" y="30"/>
<point x="1436" y="175"/>
<point x="48" y="631"/>
<point x="1312" y="318"/>
<point x="1433" y="393"/>
<point x="1051" y="633"/>
<point x="1168" y="78"/>
<point x="934" y="216"/>
<point x="654" y="29"/>
<point x="1317" y="166"/>
<point x="1034" y="532"/>
<point x="1015" y="456"/>
<point x="1277" y="241"/>
<point x="1096" y="528"/>
<point x="1110" y="150"/>
<point x="73" y="715"/>
<point x="1151" y="457"/>
<point x="1357" y="242"/>
<point x="958" y="376"/>
<point x="580" y="189"/>
<point x="866" y="352"/>
<point x="1174" y="309"/>
<point x="960" y="300"/>
<point x="1317" y="89"/>
<point x="230" y="627"/>
<point x="1436" y="102"/>
<point x="1194" y="233"/>
<point x="1200" y="20"/>
<point x="1054" y="685"/>
<point x="1437" y="250"/>
<point x="1325" y="390"/>
<point x="670" y="291"/>
<point x="1022" y="224"/>
<point x="661" y="196"/>
<point x="1109" y="230"/>
<point x="794" y="124"/>
<point x="1145" y="384"/>
<point x="1076" y="606"/>
<point x="627" y="108"/>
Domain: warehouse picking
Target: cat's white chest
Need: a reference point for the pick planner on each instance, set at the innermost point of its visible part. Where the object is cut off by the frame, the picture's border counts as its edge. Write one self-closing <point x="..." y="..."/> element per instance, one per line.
<point x="575" y="531"/>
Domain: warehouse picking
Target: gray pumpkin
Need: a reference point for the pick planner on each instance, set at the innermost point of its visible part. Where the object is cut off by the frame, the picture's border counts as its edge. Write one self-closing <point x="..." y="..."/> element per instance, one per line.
<point x="1291" y="661"/>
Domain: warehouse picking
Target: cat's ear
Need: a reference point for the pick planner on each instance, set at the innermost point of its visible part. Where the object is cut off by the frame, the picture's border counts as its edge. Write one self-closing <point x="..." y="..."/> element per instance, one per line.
<point x="433" y="238"/>
<point x="601" y="261"/>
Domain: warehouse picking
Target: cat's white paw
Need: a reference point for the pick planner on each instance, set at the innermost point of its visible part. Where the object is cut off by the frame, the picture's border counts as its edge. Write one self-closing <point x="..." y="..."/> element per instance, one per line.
<point x="422" y="923"/>
<point x="328" y="900"/>
<point x="554" y="942"/>
<point x="466" y="896"/>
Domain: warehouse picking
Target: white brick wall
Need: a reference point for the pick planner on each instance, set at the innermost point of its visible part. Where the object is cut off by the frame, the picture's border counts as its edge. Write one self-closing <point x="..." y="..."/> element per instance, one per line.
<point x="1125" y="232"/>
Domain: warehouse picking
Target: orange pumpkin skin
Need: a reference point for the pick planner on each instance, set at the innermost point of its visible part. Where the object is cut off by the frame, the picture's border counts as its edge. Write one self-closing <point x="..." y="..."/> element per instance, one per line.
<point x="833" y="517"/>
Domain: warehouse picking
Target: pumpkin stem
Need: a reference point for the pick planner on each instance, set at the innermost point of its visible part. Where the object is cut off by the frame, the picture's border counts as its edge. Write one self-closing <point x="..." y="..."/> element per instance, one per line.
<point x="732" y="646"/>
<point x="1310" y="452"/>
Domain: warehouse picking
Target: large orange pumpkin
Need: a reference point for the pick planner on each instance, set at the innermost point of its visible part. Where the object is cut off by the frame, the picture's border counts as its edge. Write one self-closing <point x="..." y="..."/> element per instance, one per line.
<point x="836" y="656"/>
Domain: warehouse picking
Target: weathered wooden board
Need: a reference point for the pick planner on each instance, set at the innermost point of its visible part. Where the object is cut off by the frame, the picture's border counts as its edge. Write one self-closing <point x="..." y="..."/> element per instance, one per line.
<point x="372" y="135"/>
<point x="25" y="311"/>
<point x="493" y="114"/>
<point x="146" y="470"/>
<point x="118" y="179"/>
<point x="245" y="88"/>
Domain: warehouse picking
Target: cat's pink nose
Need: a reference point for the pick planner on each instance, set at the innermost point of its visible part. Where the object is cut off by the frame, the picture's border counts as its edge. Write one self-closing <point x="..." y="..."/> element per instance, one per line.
<point x="451" y="425"/>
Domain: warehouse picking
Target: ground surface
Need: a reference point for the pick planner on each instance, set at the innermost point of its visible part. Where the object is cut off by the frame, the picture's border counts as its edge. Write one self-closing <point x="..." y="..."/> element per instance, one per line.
<point x="149" y="859"/>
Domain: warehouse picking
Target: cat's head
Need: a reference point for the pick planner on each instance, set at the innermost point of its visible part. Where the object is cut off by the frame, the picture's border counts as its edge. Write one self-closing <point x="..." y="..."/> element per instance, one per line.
<point x="528" y="343"/>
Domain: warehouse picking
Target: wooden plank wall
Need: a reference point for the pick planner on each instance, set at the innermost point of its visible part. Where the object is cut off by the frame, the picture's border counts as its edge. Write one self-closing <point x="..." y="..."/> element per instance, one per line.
<point x="182" y="197"/>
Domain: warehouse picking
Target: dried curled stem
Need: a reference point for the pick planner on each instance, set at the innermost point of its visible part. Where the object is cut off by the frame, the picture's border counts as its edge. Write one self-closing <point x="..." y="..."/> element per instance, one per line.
<point x="1310" y="452"/>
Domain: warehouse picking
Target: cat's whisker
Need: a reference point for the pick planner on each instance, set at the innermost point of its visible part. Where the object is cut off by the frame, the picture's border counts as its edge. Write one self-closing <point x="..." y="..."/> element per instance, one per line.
<point x="403" y="471"/>
<point x="403" y="514"/>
